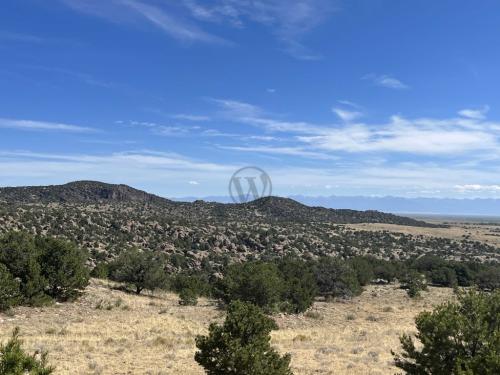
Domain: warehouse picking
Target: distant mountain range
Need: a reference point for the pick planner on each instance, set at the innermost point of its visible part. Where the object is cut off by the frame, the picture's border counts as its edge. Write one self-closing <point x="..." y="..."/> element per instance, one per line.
<point x="92" y="191"/>
<point x="396" y="205"/>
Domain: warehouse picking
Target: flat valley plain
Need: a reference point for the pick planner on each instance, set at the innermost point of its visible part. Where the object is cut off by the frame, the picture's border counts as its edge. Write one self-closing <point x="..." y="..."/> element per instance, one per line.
<point x="485" y="230"/>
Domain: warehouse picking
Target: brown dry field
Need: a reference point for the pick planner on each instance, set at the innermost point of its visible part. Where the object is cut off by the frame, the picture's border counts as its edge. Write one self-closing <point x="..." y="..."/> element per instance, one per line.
<point x="108" y="331"/>
<point x="489" y="234"/>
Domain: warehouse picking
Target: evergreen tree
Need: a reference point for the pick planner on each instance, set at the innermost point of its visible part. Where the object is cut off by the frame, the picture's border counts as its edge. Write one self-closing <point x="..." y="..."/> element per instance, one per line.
<point x="259" y="283"/>
<point x="9" y="289"/>
<point x="363" y="268"/>
<point x="143" y="270"/>
<point x="335" y="278"/>
<point x="299" y="285"/>
<point x="188" y="297"/>
<point x="15" y="361"/>
<point x="456" y="338"/>
<point x="18" y="252"/>
<point x="414" y="283"/>
<point x="241" y="346"/>
<point x="100" y="271"/>
<point x="63" y="267"/>
<point x="489" y="278"/>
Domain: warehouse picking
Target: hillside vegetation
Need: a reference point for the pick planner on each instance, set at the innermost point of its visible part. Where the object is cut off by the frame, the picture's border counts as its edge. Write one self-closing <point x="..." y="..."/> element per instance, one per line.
<point x="108" y="219"/>
<point x="109" y="332"/>
<point x="269" y="209"/>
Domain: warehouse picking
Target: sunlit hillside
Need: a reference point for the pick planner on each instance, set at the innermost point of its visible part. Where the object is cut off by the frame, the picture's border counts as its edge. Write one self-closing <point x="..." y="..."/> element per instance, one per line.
<point x="108" y="331"/>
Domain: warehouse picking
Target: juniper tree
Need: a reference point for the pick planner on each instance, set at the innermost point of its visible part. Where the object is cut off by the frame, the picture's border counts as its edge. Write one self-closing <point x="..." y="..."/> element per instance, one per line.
<point x="15" y="361"/>
<point x="63" y="266"/>
<point x="259" y="283"/>
<point x="241" y="346"/>
<point x="335" y="278"/>
<point x="460" y="338"/>
<point x="10" y="294"/>
<point x="142" y="270"/>
<point x="19" y="253"/>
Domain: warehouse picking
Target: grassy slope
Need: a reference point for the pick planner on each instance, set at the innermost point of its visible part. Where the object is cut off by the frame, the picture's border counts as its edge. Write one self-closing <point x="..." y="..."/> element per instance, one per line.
<point x="131" y="334"/>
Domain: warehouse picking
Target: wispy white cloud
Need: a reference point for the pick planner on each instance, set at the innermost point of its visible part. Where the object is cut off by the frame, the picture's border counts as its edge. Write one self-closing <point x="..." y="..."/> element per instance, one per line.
<point x="250" y="114"/>
<point x="350" y="104"/>
<point x="237" y="108"/>
<point x="172" y="130"/>
<point x="263" y="138"/>
<point x="477" y="188"/>
<point x="140" y="158"/>
<point x="43" y="126"/>
<point x="288" y="20"/>
<point x="477" y="114"/>
<point x="128" y="11"/>
<point x="172" y="25"/>
<point x="386" y="81"/>
<point x="166" y="174"/>
<point x="453" y="136"/>
<point x="411" y="136"/>
<point x="160" y="172"/>
<point x="346" y="115"/>
<point x="190" y="117"/>
<point x="290" y="151"/>
<point x="162" y="129"/>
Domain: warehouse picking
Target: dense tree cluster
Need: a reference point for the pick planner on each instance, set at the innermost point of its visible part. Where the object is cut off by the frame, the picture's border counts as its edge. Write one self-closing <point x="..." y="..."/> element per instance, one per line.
<point x="36" y="270"/>
<point x="290" y="284"/>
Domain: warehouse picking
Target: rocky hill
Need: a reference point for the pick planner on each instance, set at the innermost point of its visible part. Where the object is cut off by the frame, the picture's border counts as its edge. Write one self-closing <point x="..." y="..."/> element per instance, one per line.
<point x="271" y="209"/>
<point x="106" y="219"/>
<point x="87" y="192"/>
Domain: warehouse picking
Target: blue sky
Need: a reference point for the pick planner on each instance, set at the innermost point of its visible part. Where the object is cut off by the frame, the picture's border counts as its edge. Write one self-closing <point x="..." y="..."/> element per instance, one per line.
<point x="358" y="97"/>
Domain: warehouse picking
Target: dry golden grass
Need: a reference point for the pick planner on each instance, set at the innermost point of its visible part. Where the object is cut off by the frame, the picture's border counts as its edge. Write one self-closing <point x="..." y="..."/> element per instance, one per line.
<point x="110" y="332"/>
<point x="456" y="231"/>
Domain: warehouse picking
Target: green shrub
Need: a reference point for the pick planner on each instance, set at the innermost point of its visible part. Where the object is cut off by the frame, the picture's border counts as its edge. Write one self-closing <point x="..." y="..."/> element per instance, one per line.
<point x="414" y="283"/>
<point x="241" y="346"/>
<point x="63" y="266"/>
<point x="385" y="270"/>
<point x="259" y="283"/>
<point x="18" y="252"/>
<point x="363" y="269"/>
<point x="299" y="285"/>
<point x="188" y="297"/>
<point x="443" y="276"/>
<point x="456" y="338"/>
<point x="489" y="278"/>
<point x="142" y="270"/>
<point x="15" y="361"/>
<point x="9" y="289"/>
<point x="100" y="271"/>
<point x="198" y="283"/>
<point x="44" y="267"/>
<point x="335" y="278"/>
